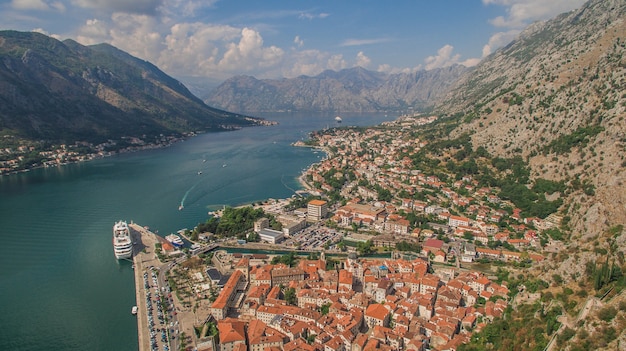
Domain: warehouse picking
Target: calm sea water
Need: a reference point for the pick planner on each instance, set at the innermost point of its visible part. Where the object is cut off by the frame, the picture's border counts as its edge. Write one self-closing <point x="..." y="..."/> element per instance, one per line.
<point x="60" y="285"/>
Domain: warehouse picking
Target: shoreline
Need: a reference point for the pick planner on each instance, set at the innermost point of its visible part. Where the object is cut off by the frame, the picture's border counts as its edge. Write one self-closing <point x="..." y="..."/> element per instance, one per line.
<point x="171" y="140"/>
<point x="142" y="257"/>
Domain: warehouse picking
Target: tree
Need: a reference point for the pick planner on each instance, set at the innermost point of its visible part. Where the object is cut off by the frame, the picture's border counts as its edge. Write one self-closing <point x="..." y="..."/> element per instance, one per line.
<point x="290" y="296"/>
<point x="468" y="236"/>
<point x="254" y="237"/>
<point x="289" y="259"/>
<point x="324" y="309"/>
<point x="364" y="248"/>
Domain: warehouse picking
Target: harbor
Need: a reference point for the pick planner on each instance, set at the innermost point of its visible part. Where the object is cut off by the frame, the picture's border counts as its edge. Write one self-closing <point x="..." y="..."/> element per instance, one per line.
<point x="70" y="248"/>
<point x="164" y="321"/>
<point x="144" y="258"/>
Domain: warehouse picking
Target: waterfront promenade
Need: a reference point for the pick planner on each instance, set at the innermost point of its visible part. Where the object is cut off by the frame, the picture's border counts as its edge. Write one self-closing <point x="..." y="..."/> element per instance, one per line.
<point x="144" y="257"/>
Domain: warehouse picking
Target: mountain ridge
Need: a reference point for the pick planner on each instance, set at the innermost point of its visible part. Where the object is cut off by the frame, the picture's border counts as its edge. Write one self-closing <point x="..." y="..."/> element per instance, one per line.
<point x="349" y="90"/>
<point x="62" y="91"/>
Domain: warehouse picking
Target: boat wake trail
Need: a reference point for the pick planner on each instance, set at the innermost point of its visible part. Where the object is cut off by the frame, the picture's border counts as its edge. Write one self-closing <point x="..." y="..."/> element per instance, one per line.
<point x="285" y="184"/>
<point x="182" y="202"/>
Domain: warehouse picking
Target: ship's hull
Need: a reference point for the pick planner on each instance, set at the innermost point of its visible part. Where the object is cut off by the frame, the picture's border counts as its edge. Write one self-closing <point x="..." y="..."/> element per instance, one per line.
<point x="122" y="243"/>
<point x="175" y="240"/>
<point x="124" y="255"/>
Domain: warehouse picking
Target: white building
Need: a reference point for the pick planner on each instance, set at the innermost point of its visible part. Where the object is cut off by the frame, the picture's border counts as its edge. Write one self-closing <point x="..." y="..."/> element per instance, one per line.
<point x="271" y="236"/>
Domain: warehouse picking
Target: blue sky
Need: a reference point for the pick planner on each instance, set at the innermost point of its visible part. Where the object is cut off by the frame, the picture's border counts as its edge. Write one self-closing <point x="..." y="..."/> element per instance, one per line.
<point x="217" y="39"/>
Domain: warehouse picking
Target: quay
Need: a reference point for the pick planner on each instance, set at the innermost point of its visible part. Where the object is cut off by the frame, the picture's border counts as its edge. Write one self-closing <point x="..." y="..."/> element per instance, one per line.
<point x="144" y="258"/>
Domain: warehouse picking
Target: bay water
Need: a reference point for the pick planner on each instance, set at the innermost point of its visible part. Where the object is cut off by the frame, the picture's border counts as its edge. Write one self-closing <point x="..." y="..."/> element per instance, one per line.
<point x="61" y="287"/>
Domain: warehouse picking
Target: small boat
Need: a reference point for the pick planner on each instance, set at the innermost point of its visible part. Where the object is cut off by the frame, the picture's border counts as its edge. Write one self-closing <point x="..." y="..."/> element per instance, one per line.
<point x="224" y="165"/>
<point x="175" y="240"/>
<point x="203" y="161"/>
<point x="199" y="172"/>
<point x="133" y="310"/>
<point x="180" y="208"/>
<point x="338" y="119"/>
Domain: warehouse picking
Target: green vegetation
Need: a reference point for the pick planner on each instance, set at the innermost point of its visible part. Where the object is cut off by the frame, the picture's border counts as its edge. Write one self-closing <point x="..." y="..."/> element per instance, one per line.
<point x="325" y="308"/>
<point x="233" y="222"/>
<point x="289" y="259"/>
<point x="548" y="186"/>
<point x="300" y="202"/>
<point x="528" y="328"/>
<point x="605" y="274"/>
<point x="364" y="248"/>
<point x="406" y="246"/>
<point x="290" y="296"/>
<point x="513" y="187"/>
<point x="579" y="138"/>
<point x="607" y="313"/>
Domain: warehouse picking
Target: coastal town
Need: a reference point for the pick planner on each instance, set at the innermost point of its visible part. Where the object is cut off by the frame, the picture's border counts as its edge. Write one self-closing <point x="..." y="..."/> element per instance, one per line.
<point x="24" y="157"/>
<point x="382" y="255"/>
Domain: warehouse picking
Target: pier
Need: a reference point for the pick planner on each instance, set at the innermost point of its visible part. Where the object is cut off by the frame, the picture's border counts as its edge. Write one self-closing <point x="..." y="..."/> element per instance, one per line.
<point x="163" y="321"/>
<point x="144" y="258"/>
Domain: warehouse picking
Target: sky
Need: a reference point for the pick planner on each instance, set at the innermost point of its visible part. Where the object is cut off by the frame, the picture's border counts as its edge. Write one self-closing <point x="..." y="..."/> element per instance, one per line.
<point x="218" y="39"/>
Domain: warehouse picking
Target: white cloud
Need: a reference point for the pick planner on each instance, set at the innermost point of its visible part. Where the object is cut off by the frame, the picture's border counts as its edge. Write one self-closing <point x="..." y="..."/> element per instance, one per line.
<point x="443" y="58"/>
<point x="386" y="68"/>
<point x="44" y="32"/>
<point x="498" y="40"/>
<point x="305" y="62"/>
<point x="41" y="5"/>
<point x="359" y="42"/>
<point x="309" y="63"/>
<point x="522" y="12"/>
<point x="336" y="63"/>
<point x="93" y="32"/>
<point x="207" y="50"/>
<point x="312" y="16"/>
<point x="470" y="62"/>
<point x="185" y="8"/>
<point x="136" y="34"/>
<point x="362" y="60"/>
<point x="135" y="6"/>
<point x="186" y="49"/>
<point x="298" y="41"/>
<point x="249" y="53"/>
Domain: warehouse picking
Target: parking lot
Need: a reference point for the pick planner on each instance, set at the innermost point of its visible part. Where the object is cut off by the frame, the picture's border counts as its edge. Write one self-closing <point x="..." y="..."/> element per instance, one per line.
<point x="315" y="237"/>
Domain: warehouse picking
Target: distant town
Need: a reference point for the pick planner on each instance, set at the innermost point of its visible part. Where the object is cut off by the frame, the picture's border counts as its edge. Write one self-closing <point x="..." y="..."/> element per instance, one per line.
<point x="374" y="254"/>
<point x="22" y="156"/>
<point x="18" y="155"/>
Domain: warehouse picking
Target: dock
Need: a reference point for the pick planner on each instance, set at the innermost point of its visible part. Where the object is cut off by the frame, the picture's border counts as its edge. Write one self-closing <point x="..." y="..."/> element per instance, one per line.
<point x="144" y="258"/>
<point x="164" y="322"/>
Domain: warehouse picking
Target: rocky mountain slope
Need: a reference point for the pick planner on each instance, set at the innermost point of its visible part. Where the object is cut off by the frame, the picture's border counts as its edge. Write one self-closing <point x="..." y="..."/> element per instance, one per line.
<point x="349" y="90"/>
<point x="64" y="91"/>
<point x="557" y="97"/>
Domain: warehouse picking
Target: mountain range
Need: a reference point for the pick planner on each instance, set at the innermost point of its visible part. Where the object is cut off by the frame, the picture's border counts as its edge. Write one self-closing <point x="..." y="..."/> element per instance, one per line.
<point x="349" y="90"/>
<point x="63" y="91"/>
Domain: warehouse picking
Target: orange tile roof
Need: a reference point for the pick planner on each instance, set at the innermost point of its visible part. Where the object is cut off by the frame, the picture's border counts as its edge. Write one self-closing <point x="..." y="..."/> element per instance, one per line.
<point x="231" y="284"/>
<point x="377" y="311"/>
<point x="231" y="331"/>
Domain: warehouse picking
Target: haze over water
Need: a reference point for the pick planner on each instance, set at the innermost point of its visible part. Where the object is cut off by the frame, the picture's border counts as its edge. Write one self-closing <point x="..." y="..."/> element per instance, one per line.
<point x="60" y="285"/>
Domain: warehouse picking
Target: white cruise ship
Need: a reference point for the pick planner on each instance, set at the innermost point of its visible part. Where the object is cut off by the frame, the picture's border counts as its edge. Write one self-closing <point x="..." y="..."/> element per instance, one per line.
<point x="122" y="243"/>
